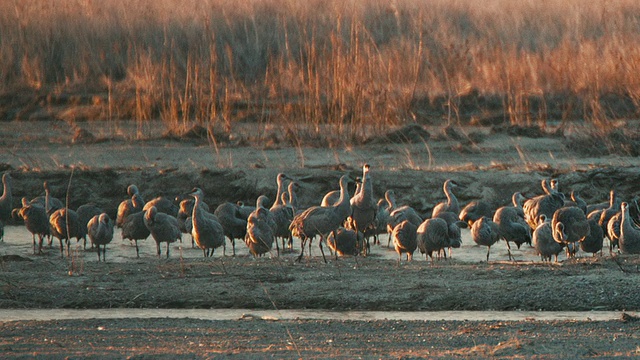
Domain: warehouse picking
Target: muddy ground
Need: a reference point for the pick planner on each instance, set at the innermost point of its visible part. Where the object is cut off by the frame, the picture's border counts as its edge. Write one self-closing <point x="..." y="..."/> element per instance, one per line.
<point x="493" y="169"/>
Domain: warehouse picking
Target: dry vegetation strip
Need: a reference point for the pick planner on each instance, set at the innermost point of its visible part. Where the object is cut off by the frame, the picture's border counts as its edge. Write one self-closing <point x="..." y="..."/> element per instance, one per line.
<point x="352" y="64"/>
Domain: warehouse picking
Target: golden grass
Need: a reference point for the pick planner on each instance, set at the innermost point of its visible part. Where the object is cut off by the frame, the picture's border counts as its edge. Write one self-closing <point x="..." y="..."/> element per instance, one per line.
<point x="358" y="66"/>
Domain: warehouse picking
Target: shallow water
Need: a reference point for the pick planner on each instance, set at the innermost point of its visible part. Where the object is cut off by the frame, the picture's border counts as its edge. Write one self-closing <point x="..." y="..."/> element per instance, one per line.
<point x="18" y="241"/>
<point x="274" y="315"/>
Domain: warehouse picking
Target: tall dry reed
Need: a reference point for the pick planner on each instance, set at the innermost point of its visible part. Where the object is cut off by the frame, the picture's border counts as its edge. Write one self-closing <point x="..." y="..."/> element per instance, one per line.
<point x="355" y="67"/>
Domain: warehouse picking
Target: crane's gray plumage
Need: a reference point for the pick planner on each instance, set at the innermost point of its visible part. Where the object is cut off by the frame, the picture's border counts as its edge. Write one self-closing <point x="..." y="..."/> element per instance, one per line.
<point x="6" y="200"/>
<point x="593" y="242"/>
<point x="454" y="225"/>
<point x="543" y="240"/>
<point x="133" y="228"/>
<point x="546" y="204"/>
<point x="405" y="239"/>
<point x="260" y="236"/>
<point x="569" y="225"/>
<point x="163" y="205"/>
<point x="65" y="225"/>
<point x="344" y="241"/>
<point x="610" y="211"/>
<point x="47" y="201"/>
<point x="485" y="232"/>
<point x="321" y="220"/>
<point x="474" y="211"/>
<point x="130" y="206"/>
<point x="282" y="213"/>
<point x="85" y="213"/>
<point x="432" y="235"/>
<point x="207" y="232"/>
<point x="36" y="221"/>
<point x="100" y="229"/>
<point x="185" y="210"/>
<point x="511" y="223"/>
<point x="577" y="201"/>
<point x="364" y="207"/>
<point x="629" y="241"/>
<point x="452" y="201"/>
<point x="233" y="222"/>
<point x="163" y="228"/>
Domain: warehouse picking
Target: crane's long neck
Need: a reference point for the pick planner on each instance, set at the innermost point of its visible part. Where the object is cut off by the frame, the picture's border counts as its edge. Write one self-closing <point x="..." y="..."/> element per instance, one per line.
<point x="391" y="200"/>
<point x="293" y="200"/>
<point x="625" y="222"/>
<point x="452" y="200"/>
<point x="195" y="213"/>
<point x="516" y="199"/>
<point x="343" y="205"/>
<point x="6" y="185"/>
<point x="279" y="193"/>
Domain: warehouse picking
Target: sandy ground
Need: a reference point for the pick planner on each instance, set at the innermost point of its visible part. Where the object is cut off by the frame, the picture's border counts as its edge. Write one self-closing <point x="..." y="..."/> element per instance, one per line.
<point x="491" y="170"/>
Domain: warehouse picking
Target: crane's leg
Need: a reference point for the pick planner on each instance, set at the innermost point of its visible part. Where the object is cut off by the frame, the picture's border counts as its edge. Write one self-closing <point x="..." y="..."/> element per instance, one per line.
<point x="158" y="249"/>
<point x="509" y="252"/>
<point x="61" y="248"/>
<point x="34" y="243"/>
<point x="137" y="249"/>
<point x="302" y="243"/>
<point x="168" y="249"/>
<point x="321" y="250"/>
<point x="98" y="253"/>
<point x="41" y="239"/>
<point x="488" y="251"/>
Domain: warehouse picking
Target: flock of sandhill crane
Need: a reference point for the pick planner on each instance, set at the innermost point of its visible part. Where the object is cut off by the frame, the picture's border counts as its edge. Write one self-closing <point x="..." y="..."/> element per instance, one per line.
<point x="549" y="222"/>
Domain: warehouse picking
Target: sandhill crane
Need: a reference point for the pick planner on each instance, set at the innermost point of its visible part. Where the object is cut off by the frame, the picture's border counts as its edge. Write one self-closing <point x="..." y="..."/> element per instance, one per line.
<point x="280" y="183"/>
<point x="36" y="221"/>
<point x="485" y="232"/>
<point x="613" y="228"/>
<point x="185" y="210"/>
<point x="268" y="216"/>
<point x="609" y="212"/>
<point x="321" y="220"/>
<point x="163" y="228"/>
<point x="130" y="206"/>
<point x="569" y="225"/>
<point x="6" y="200"/>
<point x="405" y="239"/>
<point x="452" y="201"/>
<point x="100" y="229"/>
<point x="344" y="241"/>
<point x="593" y="242"/>
<point x="282" y="213"/>
<point x="546" y="204"/>
<point x="133" y="228"/>
<point x="65" y="225"/>
<point x="543" y="240"/>
<point x="577" y="201"/>
<point x="260" y="236"/>
<point x="232" y="221"/>
<point x="511" y="224"/>
<point x="207" y="232"/>
<point x="432" y="235"/>
<point x="364" y="207"/>
<point x="454" y="225"/>
<point x="474" y="211"/>
<point x="163" y="205"/>
<point x="629" y="233"/>
<point x="85" y="213"/>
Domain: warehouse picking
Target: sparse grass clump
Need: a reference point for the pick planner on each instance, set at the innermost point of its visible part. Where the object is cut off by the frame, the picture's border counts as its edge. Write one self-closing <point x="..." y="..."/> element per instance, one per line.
<point x="357" y="67"/>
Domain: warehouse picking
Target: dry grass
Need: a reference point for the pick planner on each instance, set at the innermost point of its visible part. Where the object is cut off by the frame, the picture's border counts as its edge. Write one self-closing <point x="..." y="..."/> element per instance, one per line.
<point x="357" y="66"/>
